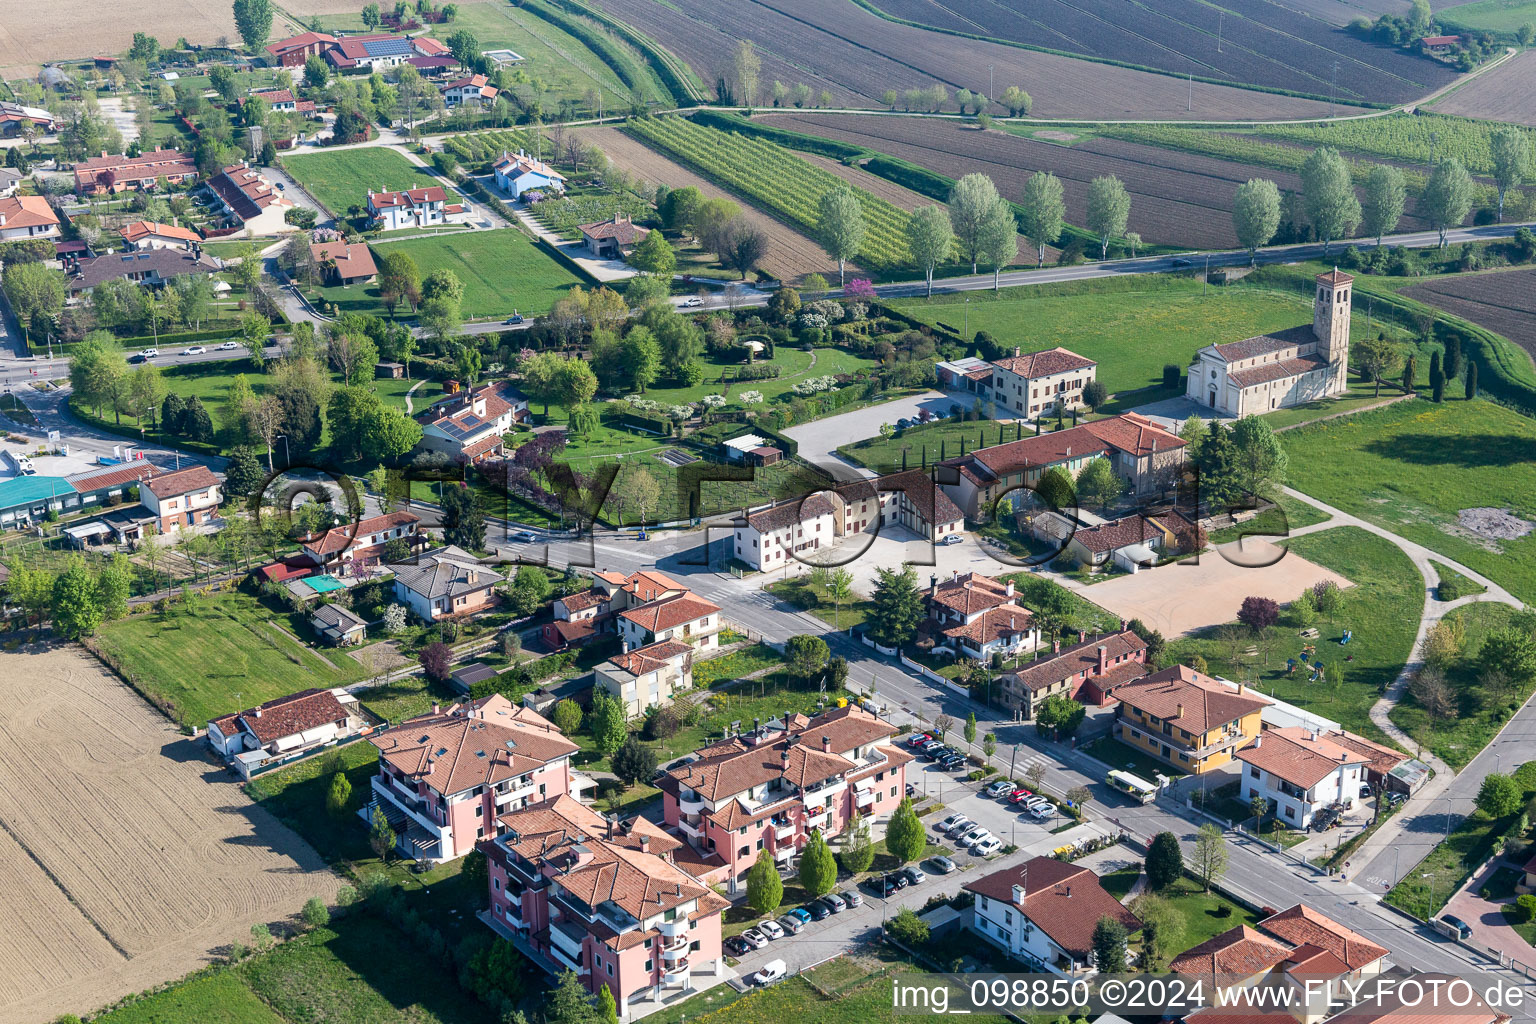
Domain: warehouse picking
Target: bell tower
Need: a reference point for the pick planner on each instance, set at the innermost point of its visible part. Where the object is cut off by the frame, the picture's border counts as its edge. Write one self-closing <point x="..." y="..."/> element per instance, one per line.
<point x="1330" y="320"/>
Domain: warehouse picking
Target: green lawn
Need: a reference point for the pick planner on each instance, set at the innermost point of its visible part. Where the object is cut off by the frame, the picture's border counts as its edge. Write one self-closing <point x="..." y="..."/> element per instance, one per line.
<point x="1382" y="609"/>
<point x="1412" y="467"/>
<point x="929" y="443"/>
<point x="1124" y="757"/>
<point x="296" y="796"/>
<point x="502" y="271"/>
<point x="1131" y="328"/>
<point x="222" y="657"/>
<point x="1206" y="915"/>
<point x="342" y="179"/>
<point x="1426" y="888"/>
<point x="219" y="996"/>
<point x="806" y="595"/>
<point x="795" y="365"/>
<point x="1358" y="394"/>
<point x="1454" y="584"/>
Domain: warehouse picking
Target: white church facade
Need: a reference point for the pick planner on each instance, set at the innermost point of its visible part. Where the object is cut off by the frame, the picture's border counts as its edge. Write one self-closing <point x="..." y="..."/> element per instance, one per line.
<point x="1289" y="367"/>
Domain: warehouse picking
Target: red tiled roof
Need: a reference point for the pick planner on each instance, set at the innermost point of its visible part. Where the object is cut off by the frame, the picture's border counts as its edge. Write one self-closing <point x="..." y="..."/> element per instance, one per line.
<point x="1248" y="348"/>
<point x="1134" y="434"/>
<point x="274" y="96"/>
<point x="341" y="537"/>
<point x="1382" y="759"/>
<point x="1113" y="536"/>
<point x="932" y="504"/>
<point x="181" y="481"/>
<point x="651" y="657"/>
<point x="353" y="260"/>
<point x="407" y="197"/>
<point x="141" y="229"/>
<point x="285" y="716"/>
<point x="625" y="231"/>
<point x="1206" y="703"/>
<point x="1063" y="900"/>
<point x="1081" y="657"/>
<point x="1008" y="620"/>
<point x="1241" y="951"/>
<point x="1298" y="756"/>
<point x="146" y="165"/>
<point x="779" y="517"/>
<point x="1043" y="364"/>
<point x="26" y="212"/>
<point x="117" y="476"/>
<point x="971" y="593"/>
<point x="298" y="42"/>
<point x="1045" y="450"/>
<point x="1266" y="372"/>
<point x="670" y="612"/>
<point x="479" y="743"/>
<point x="581" y="601"/>
<point x="1303" y="925"/>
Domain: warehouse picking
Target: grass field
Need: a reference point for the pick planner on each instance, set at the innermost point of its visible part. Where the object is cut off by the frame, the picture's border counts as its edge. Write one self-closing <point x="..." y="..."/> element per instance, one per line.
<point x="1413" y="466"/>
<point x="1491" y="15"/>
<point x="217" y="997"/>
<point x="224" y="656"/>
<point x="502" y="272"/>
<point x="1382" y="609"/>
<point x="344" y="178"/>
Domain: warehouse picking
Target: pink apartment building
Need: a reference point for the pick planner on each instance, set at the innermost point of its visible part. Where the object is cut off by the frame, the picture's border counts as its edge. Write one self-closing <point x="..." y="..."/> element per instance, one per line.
<point x="578" y="892"/>
<point x="444" y="778"/>
<point x="768" y="788"/>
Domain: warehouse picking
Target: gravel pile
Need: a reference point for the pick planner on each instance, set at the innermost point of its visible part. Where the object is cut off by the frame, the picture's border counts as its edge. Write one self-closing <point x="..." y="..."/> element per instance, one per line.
<point x="1495" y="523"/>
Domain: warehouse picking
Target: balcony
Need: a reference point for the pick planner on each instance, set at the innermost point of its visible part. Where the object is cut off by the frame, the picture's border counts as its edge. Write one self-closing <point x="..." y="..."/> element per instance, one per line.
<point x="783" y="828"/>
<point x="675" y="929"/>
<point x="567" y="937"/>
<point x="864" y="797"/>
<point x="678" y="948"/>
<point x="689" y="802"/>
<point x="815" y="817"/>
<point x="514" y="795"/>
<point x="692" y="828"/>
<point x="678" y="966"/>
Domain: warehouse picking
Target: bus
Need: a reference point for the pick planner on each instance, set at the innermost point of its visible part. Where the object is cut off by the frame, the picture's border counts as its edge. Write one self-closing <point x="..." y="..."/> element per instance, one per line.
<point x="1133" y="786"/>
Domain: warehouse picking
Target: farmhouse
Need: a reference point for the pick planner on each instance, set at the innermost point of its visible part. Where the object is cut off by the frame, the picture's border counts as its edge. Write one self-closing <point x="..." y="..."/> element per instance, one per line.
<point x="614" y="238"/>
<point x="283" y="101"/>
<point x="1186" y="718"/>
<point x="363" y="542"/>
<point x="248" y="200"/>
<point x="24" y="217"/>
<point x="148" y="234"/>
<point x="116" y="173"/>
<point x="444" y="582"/>
<point x="1044" y="912"/>
<point x="469" y="91"/>
<point x="295" y="50"/>
<point x="152" y="267"/>
<point x="14" y="117"/>
<point x="375" y="52"/>
<point x="605" y="900"/>
<point x="284" y="728"/>
<point x="184" y="497"/>
<point x="343" y="263"/>
<point x="647" y="676"/>
<point x="768" y="788"/>
<point x="445" y="777"/>
<point x="413" y="208"/>
<point x="1439" y="45"/>
<point x="975" y="617"/>
<point x="1041" y="383"/>
<point x="1089" y="672"/>
<point x="470" y="424"/>
<point x="1299" y="772"/>
<point x="517" y="174"/>
<point x="1289" y="367"/>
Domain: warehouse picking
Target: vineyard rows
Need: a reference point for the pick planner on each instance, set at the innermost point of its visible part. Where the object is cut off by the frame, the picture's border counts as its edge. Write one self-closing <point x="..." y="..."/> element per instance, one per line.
<point x="1404" y="137"/>
<point x="486" y="147"/>
<point x="777" y="180"/>
<point x="564" y="215"/>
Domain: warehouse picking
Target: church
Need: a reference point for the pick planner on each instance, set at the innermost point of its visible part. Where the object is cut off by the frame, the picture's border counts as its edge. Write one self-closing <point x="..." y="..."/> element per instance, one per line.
<point x="1289" y="367"/>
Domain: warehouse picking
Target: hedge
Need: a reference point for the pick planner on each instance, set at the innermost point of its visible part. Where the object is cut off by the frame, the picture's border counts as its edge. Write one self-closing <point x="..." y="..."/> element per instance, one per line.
<point x="651" y="424"/>
<point x="146" y="341"/>
<point x="783" y="136"/>
<point x="146" y="437"/>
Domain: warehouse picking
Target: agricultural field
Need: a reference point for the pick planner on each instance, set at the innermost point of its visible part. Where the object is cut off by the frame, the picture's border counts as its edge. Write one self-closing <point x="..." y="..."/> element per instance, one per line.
<point x="856" y="55"/>
<point x="777" y="180"/>
<point x="341" y="179"/>
<point x="1257" y="42"/>
<point x="1415" y="466"/>
<point x="1405" y="137"/>
<point x="1488" y="15"/>
<point x="1502" y="301"/>
<point x="34" y="34"/>
<point x="158" y="865"/>
<point x="790" y="253"/>
<point x="478" y="149"/>
<point x="1502" y="94"/>
<point x="564" y="215"/>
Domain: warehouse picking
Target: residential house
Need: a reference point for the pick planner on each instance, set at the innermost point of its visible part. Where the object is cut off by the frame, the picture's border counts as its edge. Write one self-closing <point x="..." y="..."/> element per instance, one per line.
<point x="767" y="789"/>
<point x="1091" y="672"/>
<point x="338" y="626"/>
<point x="148" y="234"/>
<point x="283" y="101"/>
<point x="111" y="485"/>
<point x="614" y="238"/>
<point x="151" y="267"/>
<point x="1242" y="953"/>
<point x="1300" y="926"/>
<point x="105" y="173"/>
<point x="977" y="618"/>
<point x="445" y="777"/>
<point x="1130" y="543"/>
<point x="469" y="91"/>
<point x="647" y="676"/>
<point x="576" y="618"/>
<point x="1386" y="770"/>
<point x="14" y="116"/>
<point x="343" y="263"/>
<point x="10" y="181"/>
<point x="247" y="200"/>
<point x="1044" y="912"/>
<point x="1439" y="46"/>
<point x="1040" y="383"/>
<point x="686" y="617"/>
<point x="284" y="728"/>
<point x="1143" y="454"/>
<point x="412" y="208"/>
<point x="1284" y="369"/>
<point x="295" y="50"/>
<point x="1186" y="718"/>
<point x="517" y="174"/>
<point x="362" y="542"/>
<point x="579" y="617"/>
<point x="1299" y="772"/>
<point x="380" y="50"/>
<point x="578" y="892"/>
<point x="23" y="217"/>
<point x="183" y="497"/>
<point x="469" y="425"/>
<point x="445" y="582"/>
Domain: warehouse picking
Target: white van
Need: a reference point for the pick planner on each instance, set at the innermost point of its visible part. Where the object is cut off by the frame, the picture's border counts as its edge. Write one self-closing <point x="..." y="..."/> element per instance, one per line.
<point x="772" y="971"/>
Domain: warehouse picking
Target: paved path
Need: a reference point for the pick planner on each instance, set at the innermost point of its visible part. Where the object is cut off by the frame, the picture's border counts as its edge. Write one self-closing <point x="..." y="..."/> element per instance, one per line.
<point x="408" y="409"/>
<point x="1486" y="919"/>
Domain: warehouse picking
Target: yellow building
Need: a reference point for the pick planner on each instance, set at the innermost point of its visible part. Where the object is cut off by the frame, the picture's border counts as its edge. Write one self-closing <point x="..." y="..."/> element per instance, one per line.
<point x="1186" y="718"/>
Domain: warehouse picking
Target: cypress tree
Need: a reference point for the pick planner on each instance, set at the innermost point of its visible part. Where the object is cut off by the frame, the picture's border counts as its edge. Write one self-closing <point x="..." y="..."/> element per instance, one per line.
<point x="1434" y="366"/>
<point x="1437" y="386"/>
<point x="1410" y="370"/>
<point x="1453" y="356"/>
<point x="1471" y="379"/>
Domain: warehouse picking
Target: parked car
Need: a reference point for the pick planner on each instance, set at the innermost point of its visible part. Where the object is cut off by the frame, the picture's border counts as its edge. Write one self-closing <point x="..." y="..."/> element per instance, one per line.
<point x="1365" y="791"/>
<point x="818" y="910"/>
<point x="883" y="885"/>
<point x="901" y="880"/>
<point x="960" y="827"/>
<point x="772" y="971"/>
<point x="1020" y="795"/>
<point x="736" y="947"/>
<point x="942" y="865"/>
<point x="914" y="874"/>
<point x="228" y="346"/>
<point x="771" y="929"/>
<point x="692" y="301"/>
<point x="973" y="837"/>
<point x="791" y="924"/>
<point x="911" y="789"/>
<point x="954" y="538"/>
<point x="834" y="903"/>
<point x="1453" y="927"/>
<point x="1001" y="787"/>
<point x="754" y="938"/>
<point x="194" y="350"/>
<point x="800" y="914"/>
<point x="947" y="823"/>
<point x="852" y="897"/>
<point x="919" y="740"/>
<point x="1041" y="812"/>
<point x="953" y="762"/>
<point x="987" y="847"/>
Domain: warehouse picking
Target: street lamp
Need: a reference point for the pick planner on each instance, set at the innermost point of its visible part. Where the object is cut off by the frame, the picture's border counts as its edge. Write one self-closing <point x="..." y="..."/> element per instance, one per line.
<point x="989" y="84"/>
<point x="286" y="460"/>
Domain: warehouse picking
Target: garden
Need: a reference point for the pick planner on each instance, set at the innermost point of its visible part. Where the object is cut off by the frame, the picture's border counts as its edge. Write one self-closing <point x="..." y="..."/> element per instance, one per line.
<point x="342" y="179"/>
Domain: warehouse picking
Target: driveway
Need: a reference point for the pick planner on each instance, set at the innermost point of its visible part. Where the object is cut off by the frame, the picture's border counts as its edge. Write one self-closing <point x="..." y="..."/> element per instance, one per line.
<point x="292" y="190"/>
<point x="1208" y="590"/>
<point x="819" y="440"/>
<point x="1171" y="413"/>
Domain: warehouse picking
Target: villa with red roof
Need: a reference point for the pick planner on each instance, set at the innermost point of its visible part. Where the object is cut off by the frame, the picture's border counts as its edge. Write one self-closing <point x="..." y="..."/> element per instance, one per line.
<point x="469" y="91"/>
<point x="342" y="262"/>
<point x="1186" y="718"/>
<point x="768" y="788"/>
<point x="685" y="617"/>
<point x="647" y="676"/>
<point x="24" y="217"/>
<point x="614" y="238"/>
<point x="1039" y="383"/>
<point x="380" y="50"/>
<point x="148" y="234"/>
<point x="1044" y="912"/>
<point x="184" y="497"/>
<point x="362" y="542"/>
<point x="446" y="777"/>
<point x="1299" y="772"/>
<point x="579" y="617"/>
<point x="977" y="617"/>
<point x="608" y="901"/>
<point x="284" y="728"/>
<point x="412" y="208"/>
<point x="101" y="174"/>
<point x="283" y="101"/>
<point x="248" y="200"/>
<point x="469" y="425"/>
<point x="1089" y="672"/>
<point x="1287" y="368"/>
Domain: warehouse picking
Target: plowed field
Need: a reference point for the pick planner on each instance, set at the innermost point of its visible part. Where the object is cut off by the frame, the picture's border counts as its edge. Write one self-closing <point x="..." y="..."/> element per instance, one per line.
<point x="129" y="857"/>
<point x="1502" y="301"/>
<point x="1503" y="94"/>
<point x="31" y="33"/>
<point x="857" y="55"/>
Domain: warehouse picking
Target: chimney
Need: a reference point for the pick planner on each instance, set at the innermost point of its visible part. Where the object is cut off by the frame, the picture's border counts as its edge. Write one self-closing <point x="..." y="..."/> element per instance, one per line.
<point x="1241" y="689"/>
<point x="1009" y="591"/>
<point x="1055" y="646"/>
<point x="826" y="744"/>
<point x="1258" y="740"/>
<point x="1122" y="625"/>
<point x="1018" y="894"/>
<point x="258" y="712"/>
<point x="679" y="890"/>
<point x="437" y="708"/>
<point x="1069" y="892"/>
<point x="1016" y="351"/>
<point x="954" y="576"/>
<point x="1179" y="713"/>
<point x="1103" y="659"/>
<point x="645" y="843"/>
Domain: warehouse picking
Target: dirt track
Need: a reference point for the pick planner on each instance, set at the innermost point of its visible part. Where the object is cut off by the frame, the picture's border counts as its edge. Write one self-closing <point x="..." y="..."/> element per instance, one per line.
<point x="129" y="856"/>
<point x="790" y="254"/>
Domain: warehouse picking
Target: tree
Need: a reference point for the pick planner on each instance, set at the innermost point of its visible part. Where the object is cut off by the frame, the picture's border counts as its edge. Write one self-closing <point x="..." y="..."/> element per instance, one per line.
<point x="642" y="357"/>
<point x="1109" y="946"/>
<point x="807" y="655"/>
<point x="999" y="240"/>
<point x="744" y="246"/>
<point x="1109" y="207"/>
<point x="253" y="18"/>
<point x="904" y="836"/>
<point x="972" y="203"/>
<point x="745" y="67"/>
<point x="1499" y="796"/>
<point x="338" y="796"/>
<point x="1432" y="693"/>
<point x="1045" y="211"/>
<point x="1328" y="598"/>
<point x="567" y="716"/>
<point x="398" y="279"/>
<point x="970" y="727"/>
<point x="635" y="488"/>
<point x="464" y="47"/>
<point x="568" y="1002"/>
<point x="442" y="317"/>
<point x="76" y="605"/>
<point x="1329" y="195"/>
<point x="36" y="292"/>
<point x="1165" y="861"/>
<point x="818" y="871"/>
<point x="633" y="761"/>
<point x="315" y="913"/>
<point x="530" y="589"/>
<point x="1447" y="196"/>
<point x="765" y="889"/>
<point x="840" y="226"/>
<point x="677" y="210"/>
<point x="381" y="835"/>
<point x="654" y="255"/>
<point x="1210" y="854"/>
<point x="463" y="521"/>
<point x="1162" y="929"/>
<point x="372" y="18"/>
<point x="1255" y="214"/>
<point x="388" y="434"/>
<point x="1386" y="195"/>
<point x="243" y="475"/>
<point x="1377" y="357"/>
<point x="607" y="1007"/>
<point x="930" y="239"/>
<point x="840" y="589"/>
<point x="1511" y="151"/>
<point x="607" y="719"/>
<point x="1079" y="796"/>
<point x="1055" y="488"/>
<point x="1099" y="484"/>
<point x="898" y="607"/>
<point x="436" y="661"/>
<point x="1095" y="394"/>
<point x="858" y="851"/>
<point x="114" y="583"/>
<point x="1258" y="457"/>
<point x="1509" y="650"/>
<point x="1018" y="102"/>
